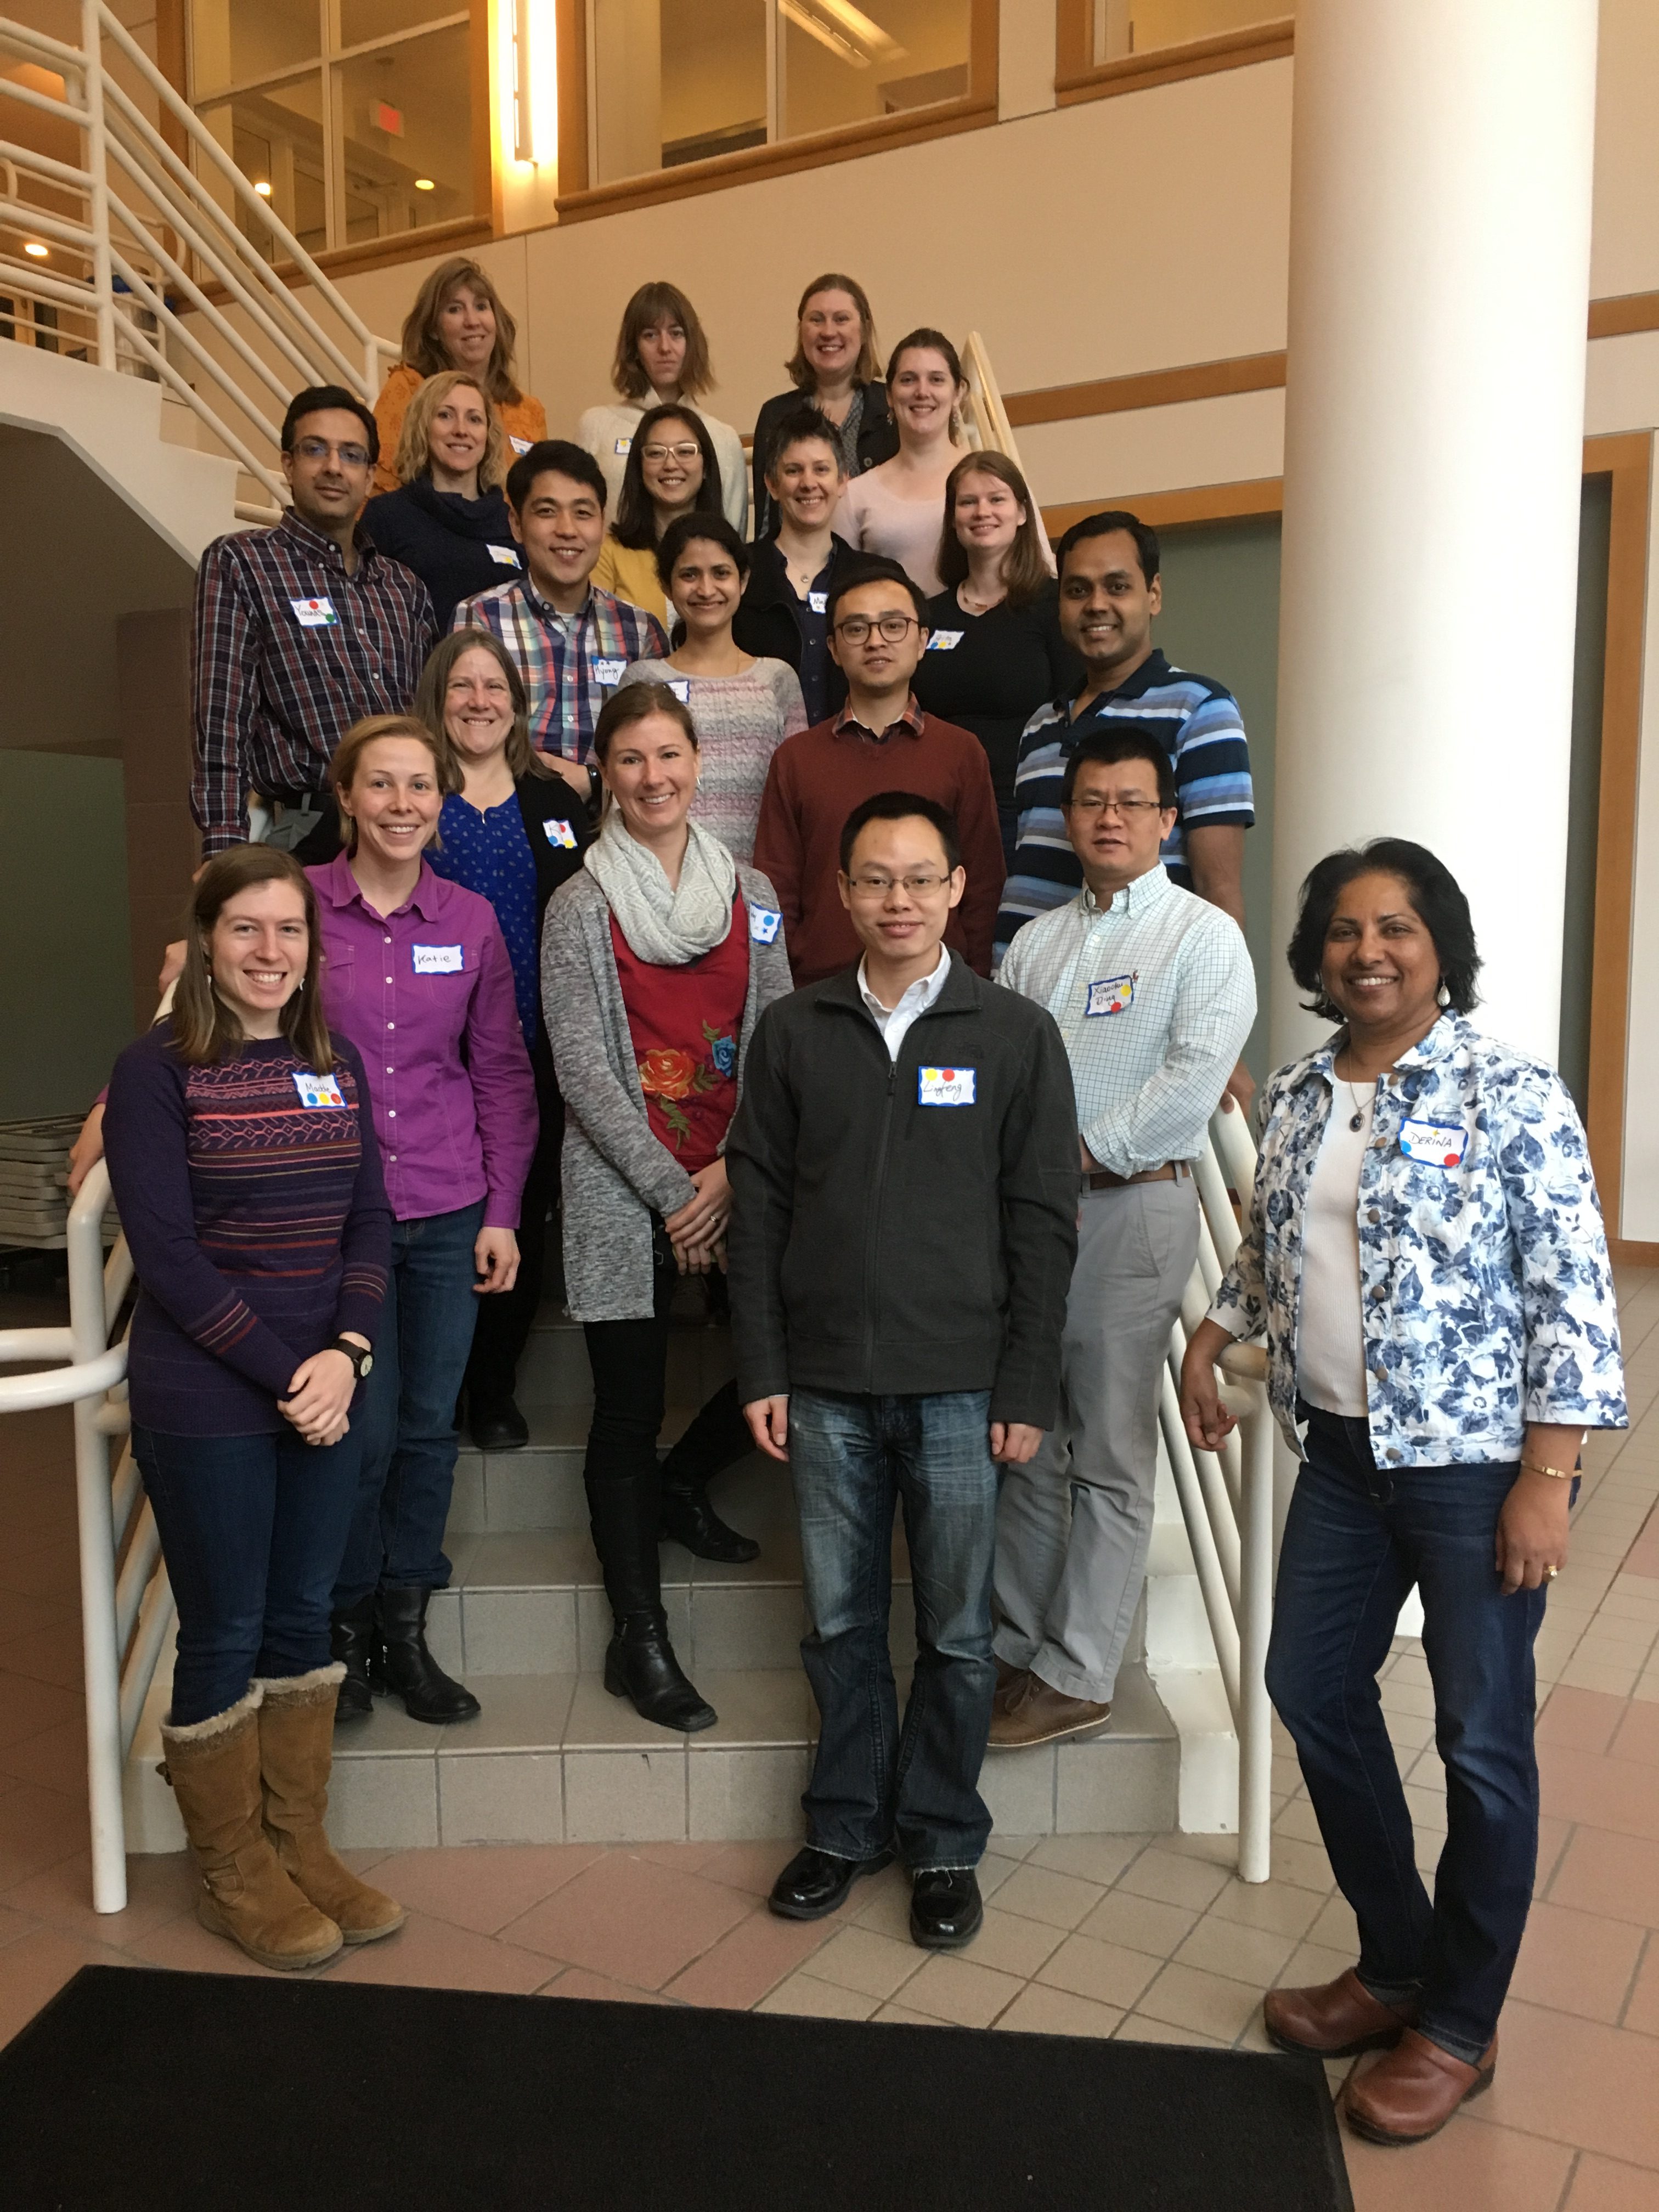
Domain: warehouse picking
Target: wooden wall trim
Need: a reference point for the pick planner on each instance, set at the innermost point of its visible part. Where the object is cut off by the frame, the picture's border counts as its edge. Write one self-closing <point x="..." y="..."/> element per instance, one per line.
<point x="1217" y="502"/>
<point x="570" y="22"/>
<point x="1625" y="312"/>
<point x="1078" y="77"/>
<point x="1155" y="387"/>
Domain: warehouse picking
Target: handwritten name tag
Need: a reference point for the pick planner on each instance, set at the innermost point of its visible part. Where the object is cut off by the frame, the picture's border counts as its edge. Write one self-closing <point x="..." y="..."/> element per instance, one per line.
<point x="317" y="1090"/>
<point x="681" y="688"/>
<point x="819" y="602"/>
<point x="1435" y="1144"/>
<point x="437" y="959"/>
<point x="519" y="445"/>
<point x="622" y="446"/>
<point x="945" y="1086"/>
<point x="1113" y="996"/>
<point x="561" y="832"/>
<point x="945" y="640"/>
<point x="314" y="614"/>
<point x="504" y="557"/>
<point x="607" y="674"/>
<point x="764" y="925"/>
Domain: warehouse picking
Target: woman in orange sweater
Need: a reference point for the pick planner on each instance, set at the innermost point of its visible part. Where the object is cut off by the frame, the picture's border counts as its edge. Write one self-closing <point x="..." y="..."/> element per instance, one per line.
<point x="458" y="321"/>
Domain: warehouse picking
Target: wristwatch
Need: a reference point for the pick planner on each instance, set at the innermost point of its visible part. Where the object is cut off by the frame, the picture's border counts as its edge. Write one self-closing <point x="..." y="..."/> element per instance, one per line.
<point x="362" y="1360"/>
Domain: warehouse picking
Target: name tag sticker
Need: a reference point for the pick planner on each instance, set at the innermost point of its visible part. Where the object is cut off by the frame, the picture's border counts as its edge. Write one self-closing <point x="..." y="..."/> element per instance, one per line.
<point x="764" y="925"/>
<point x="317" y="1090"/>
<point x="681" y="688"/>
<point x="945" y="1086"/>
<point x="1115" y="995"/>
<point x="519" y="445"/>
<point x="819" y="602"/>
<point x="608" y="674"/>
<point x="561" y="832"/>
<point x="945" y="640"/>
<point x="1435" y="1144"/>
<point x="504" y="557"/>
<point x="437" y="959"/>
<point x="622" y="446"/>
<point x="314" y="614"/>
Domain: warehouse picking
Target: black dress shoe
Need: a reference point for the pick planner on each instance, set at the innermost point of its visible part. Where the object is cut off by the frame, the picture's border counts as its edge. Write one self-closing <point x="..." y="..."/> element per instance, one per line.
<point x="352" y="1640"/>
<point x="946" y="1911"/>
<point x="813" y="1883"/>
<point x="411" y="1672"/>
<point x="496" y="1424"/>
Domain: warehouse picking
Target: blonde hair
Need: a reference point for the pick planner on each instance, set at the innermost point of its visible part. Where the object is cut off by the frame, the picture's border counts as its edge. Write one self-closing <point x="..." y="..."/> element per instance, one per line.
<point x="423" y="348"/>
<point x="357" y="740"/>
<point x="415" y="441"/>
<point x="205" y="1029"/>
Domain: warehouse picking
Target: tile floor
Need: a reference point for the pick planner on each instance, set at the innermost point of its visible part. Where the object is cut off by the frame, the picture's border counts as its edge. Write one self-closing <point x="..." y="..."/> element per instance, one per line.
<point x="1149" y="1937"/>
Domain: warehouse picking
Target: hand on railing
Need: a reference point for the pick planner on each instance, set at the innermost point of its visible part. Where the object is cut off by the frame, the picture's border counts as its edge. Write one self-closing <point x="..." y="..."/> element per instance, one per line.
<point x="87" y="1150"/>
<point x="1204" y="1413"/>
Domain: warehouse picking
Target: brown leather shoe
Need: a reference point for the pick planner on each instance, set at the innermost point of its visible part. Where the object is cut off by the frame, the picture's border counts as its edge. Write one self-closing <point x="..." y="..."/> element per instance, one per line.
<point x="1038" y="1714"/>
<point x="1009" y="1680"/>
<point x="1337" y="2020"/>
<point x="1410" y="2094"/>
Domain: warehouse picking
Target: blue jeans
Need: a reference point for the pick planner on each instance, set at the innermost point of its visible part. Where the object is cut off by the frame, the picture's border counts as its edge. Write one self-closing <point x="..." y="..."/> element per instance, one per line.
<point x="873" y="1783"/>
<point x="251" y="1529"/>
<point x="408" y="1419"/>
<point x="1357" y="1538"/>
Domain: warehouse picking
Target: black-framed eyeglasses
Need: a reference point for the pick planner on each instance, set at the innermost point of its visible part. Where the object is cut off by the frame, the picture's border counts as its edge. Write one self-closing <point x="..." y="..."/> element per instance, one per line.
<point x="893" y="627"/>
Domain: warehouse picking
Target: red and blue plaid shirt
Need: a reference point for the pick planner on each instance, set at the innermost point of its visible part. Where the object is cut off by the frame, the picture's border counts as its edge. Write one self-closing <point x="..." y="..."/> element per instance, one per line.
<point x="290" y="652"/>
<point x="570" y="663"/>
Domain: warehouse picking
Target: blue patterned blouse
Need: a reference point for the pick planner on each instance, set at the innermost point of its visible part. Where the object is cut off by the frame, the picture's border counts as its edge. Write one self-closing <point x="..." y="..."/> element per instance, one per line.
<point x="488" y="852"/>
<point x="1485" y="1285"/>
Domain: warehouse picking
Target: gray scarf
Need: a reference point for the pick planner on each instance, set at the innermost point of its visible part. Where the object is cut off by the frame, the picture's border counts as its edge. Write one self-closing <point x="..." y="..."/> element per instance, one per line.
<point x="667" y="927"/>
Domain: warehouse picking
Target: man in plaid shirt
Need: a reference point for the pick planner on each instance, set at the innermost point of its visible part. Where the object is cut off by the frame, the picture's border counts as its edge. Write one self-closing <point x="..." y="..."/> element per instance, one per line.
<point x="300" y="631"/>
<point x="571" y="642"/>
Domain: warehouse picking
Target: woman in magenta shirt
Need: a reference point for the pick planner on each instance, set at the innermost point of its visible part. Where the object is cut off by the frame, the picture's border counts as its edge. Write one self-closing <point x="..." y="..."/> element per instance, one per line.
<point x="419" y="979"/>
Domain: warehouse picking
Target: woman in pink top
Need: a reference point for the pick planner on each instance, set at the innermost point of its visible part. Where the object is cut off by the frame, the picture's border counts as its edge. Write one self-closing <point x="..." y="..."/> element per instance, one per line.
<point x="897" y="509"/>
<point x="417" y="977"/>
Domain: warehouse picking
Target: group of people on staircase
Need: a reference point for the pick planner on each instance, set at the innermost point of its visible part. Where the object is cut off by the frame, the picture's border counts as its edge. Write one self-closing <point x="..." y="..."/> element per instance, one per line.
<point x="853" y="917"/>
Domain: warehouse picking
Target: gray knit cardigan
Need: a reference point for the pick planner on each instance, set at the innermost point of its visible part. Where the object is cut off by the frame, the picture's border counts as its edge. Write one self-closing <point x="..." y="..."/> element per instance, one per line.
<point x="617" y="1172"/>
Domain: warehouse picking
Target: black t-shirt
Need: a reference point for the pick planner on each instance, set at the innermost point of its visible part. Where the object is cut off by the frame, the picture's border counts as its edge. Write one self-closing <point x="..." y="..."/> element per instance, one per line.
<point x="1002" y="667"/>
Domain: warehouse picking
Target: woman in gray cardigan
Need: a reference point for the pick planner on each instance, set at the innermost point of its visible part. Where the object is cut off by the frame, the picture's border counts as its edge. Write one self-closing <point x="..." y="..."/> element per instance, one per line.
<point x="657" y="961"/>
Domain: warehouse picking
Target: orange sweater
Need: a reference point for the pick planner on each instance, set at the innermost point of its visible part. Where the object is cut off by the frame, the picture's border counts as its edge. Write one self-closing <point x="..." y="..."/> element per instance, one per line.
<point x="525" y="422"/>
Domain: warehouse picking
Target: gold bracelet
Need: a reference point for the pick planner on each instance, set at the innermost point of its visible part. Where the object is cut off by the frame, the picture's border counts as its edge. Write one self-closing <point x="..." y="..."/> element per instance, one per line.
<point x="1555" y="1474"/>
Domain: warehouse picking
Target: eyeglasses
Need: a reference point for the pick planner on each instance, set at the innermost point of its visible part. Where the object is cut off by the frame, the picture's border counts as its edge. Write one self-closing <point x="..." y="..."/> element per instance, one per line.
<point x="893" y="628"/>
<point x="318" y="449"/>
<point x="1093" y="802"/>
<point x="689" y="452"/>
<point x="918" y="886"/>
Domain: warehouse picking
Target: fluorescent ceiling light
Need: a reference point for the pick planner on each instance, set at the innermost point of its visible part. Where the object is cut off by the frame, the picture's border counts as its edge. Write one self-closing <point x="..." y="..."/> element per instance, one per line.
<point x="849" y="35"/>
<point x="425" y="185"/>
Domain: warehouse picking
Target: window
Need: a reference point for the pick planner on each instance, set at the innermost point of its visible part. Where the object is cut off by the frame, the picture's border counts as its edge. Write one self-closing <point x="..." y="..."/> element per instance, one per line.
<point x="1104" y="47"/>
<point x="352" y="118"/>
<point x="1141" y="27"/>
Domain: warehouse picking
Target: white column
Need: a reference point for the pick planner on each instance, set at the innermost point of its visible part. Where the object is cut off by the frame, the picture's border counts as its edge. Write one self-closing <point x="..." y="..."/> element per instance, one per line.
<point x="1440" y="233"/>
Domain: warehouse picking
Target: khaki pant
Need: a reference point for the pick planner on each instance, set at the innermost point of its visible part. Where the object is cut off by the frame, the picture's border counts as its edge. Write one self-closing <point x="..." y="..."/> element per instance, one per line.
<point x="1074" y="1523"/>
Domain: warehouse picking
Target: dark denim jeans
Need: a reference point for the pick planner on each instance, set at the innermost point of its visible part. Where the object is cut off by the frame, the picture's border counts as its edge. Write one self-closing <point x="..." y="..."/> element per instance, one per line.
<point x="252" y="1530"/>
<point x="1355" y="1540"/>
<point x="408" y="1417"/>
<point x="874" y="1785"/>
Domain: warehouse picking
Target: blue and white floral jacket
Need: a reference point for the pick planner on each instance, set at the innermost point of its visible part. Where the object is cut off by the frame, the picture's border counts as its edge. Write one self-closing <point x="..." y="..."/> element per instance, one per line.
<point x="1486" y="1289"/>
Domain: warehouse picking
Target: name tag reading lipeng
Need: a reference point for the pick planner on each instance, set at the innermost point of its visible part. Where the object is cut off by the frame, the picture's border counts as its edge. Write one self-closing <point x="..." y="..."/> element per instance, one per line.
<point x="437" y="959"/>
<point x="945" y="1086"/>
<point x="317" y="1090"/>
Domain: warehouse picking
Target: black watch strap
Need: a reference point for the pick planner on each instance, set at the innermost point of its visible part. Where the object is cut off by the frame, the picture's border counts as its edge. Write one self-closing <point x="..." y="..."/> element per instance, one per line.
<point x="361" y="1358"/>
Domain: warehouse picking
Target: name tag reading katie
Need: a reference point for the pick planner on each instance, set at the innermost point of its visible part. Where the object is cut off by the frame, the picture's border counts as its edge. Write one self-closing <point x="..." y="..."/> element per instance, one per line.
<point x="317" y="1090"/>
<point x="561" y="832"/>
<point x="503" y="556"/>
<point x="819" y="602"/>
<point x="764" y="925"/>
<point x="437" y="959"/>
<point x="607" y="674"/>
<point x="1435" y="1144"/>
<point x="945" y="1086"/>
<point x="945" y="640"/>
<point x="1113" y="996"/>
<point x="314" y="614"/>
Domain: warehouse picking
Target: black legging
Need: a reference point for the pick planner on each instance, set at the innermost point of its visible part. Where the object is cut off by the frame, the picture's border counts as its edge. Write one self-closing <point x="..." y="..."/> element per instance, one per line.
<point x="629" y="1359"/>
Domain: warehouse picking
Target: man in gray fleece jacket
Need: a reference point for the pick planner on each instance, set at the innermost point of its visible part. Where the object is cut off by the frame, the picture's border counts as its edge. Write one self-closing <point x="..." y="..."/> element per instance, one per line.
<point x="904" y="1169"/>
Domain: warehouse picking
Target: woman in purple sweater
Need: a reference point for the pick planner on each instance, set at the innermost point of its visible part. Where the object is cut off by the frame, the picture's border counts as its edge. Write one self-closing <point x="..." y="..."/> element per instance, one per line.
<point x="244" y="1164"/>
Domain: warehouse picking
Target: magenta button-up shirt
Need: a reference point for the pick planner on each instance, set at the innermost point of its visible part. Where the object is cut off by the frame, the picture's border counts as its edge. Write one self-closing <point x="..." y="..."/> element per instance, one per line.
<point x="410" y="990"/>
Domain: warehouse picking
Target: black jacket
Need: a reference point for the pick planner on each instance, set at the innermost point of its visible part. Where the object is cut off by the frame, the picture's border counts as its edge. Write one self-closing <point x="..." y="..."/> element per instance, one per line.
<point x="445" y="539"/>
<point x="542" y="799"/>
<point x="768" y="620"/>
<point x="878" y="441"/>
<point x="881" y="1245"/>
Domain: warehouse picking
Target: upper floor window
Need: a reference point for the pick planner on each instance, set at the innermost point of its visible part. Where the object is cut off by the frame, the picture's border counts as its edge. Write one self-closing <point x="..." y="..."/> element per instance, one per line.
<point x="352" y="117"/>
<point x="1123" y="28"/>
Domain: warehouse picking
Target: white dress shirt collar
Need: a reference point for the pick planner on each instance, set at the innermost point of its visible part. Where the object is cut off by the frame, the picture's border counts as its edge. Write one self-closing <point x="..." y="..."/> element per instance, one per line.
<point x="894" y="1021"/>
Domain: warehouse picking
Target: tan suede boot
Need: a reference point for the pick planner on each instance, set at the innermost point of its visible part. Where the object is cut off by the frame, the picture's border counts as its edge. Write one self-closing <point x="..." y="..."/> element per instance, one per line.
<point x="297" y="1750"/>
<point x="214" y="1768"/>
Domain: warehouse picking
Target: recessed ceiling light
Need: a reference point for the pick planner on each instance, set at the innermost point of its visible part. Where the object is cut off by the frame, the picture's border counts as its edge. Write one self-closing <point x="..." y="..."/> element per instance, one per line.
<point x="35" y="251"/>
<point x="424" y="184"/>
<point x="262" y="189"/>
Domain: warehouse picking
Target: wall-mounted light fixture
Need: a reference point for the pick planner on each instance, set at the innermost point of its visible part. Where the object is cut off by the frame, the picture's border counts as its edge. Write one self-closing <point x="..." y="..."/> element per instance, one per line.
<point x="35" y="251"/>
<point x="425" y="185"/>
<point x="528" y="70"/>
<point x="262" y="188"/>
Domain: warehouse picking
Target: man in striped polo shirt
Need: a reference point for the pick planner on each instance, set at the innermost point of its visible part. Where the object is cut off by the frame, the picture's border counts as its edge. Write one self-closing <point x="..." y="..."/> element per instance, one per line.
<point x="1109" y="592"/>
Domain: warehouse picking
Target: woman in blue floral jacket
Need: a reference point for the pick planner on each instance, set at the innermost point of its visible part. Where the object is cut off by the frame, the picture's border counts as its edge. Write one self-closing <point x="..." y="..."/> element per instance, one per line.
<point x="1425" y="1254"/>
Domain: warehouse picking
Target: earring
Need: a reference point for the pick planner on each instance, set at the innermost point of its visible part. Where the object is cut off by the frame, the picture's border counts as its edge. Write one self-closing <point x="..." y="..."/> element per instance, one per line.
<point x="1443" y="996"/>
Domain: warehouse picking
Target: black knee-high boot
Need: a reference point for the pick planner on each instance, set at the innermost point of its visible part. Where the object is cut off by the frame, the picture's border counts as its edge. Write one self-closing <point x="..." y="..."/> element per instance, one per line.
<point x="640" y="1664"/>
<point x="717" y="1437"/>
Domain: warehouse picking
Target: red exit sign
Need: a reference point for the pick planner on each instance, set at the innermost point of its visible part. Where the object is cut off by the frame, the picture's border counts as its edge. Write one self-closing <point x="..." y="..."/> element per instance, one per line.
<point x="388" y="118"/>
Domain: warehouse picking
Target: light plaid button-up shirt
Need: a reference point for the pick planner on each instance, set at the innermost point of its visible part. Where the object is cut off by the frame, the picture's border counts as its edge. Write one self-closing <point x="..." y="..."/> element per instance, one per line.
<point x="570" y="663"/>
<point x="1154" y="996"/>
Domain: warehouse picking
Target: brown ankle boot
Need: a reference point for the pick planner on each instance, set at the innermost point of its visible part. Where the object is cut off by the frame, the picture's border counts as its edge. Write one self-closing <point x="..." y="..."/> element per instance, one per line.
<point x="214" y="1768"/>
<point x="297" y="1750"/>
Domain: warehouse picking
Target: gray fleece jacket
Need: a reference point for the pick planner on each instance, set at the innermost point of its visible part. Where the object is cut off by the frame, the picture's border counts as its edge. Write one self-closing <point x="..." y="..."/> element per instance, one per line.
<point x="617" y="1172"/>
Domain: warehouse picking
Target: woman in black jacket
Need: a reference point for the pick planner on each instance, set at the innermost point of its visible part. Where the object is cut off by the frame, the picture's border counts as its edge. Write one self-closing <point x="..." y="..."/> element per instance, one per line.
<point x="835" y="368"/>
<point x="513" y="832"/>
<point x="449" y="521"/>
<point x="784" y="614"/>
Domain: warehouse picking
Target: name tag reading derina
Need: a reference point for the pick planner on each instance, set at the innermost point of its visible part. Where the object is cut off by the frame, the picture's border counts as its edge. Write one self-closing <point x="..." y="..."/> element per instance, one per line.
<point x="314" y="614"/>
<point x="1435" y="1144"/>
<point x="317" y="1090"/>
<point x="561" y="832"/>
<point x="437" y="959"/>
<point x="764" y="924"/>
<point x="1115" y="995"/>
<point x="945" y="1086"/>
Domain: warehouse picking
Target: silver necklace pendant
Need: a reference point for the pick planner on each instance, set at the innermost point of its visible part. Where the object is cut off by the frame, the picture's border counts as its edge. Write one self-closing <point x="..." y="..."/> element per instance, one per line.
<point x="1356" y="1121"/>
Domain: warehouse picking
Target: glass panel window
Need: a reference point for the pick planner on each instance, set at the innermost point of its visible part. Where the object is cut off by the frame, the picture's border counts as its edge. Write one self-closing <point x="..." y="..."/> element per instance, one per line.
<point x="275" y="137"/>
<point x="234" y="41"/>
<point x="713" y="78"/>
<point x="1143" y="26"/>
<point x="844" y="64"/>
<point x="362" y="20"/>
<point x="407" y="136"/>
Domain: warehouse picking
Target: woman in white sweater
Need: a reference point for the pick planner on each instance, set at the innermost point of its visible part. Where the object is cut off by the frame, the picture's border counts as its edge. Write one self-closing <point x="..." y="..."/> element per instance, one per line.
<point x="662" y="356"/>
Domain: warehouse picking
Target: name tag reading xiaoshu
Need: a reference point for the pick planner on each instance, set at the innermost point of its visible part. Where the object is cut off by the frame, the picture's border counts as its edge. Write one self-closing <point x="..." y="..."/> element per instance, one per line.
<point x="561" y="832"/>
<point x="314" y="614"/>
<point x="437" y="959"/>
<point x="317" y="1090"/>
<point x="1113" y="996"/>
<point x="608" y="674"/>
<point x="764" y="925"/>
<point x="819" y="602"/>
<point x="945" y="640"/>
<point x="504" y="557"/>
<point x="945" y="1086"/>
<point x="1435" y="1144"/>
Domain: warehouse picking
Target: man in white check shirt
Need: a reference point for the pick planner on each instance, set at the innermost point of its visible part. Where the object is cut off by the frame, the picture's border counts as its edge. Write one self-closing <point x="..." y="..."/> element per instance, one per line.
<point x="1154" y="993"/>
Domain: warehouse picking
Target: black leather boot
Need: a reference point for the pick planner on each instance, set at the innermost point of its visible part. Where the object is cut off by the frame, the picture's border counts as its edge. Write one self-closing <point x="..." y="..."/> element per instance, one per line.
<point x="411" y="1672"/>
<point x="640" y="1664"/>
<point x="717" y="1438"/>
<point x="352" y="1640"/>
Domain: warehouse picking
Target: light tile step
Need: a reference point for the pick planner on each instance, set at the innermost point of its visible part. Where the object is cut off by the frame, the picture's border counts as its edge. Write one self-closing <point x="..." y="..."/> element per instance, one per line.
<point x="553" y="1369"/>
<point x="540" y="1487"/>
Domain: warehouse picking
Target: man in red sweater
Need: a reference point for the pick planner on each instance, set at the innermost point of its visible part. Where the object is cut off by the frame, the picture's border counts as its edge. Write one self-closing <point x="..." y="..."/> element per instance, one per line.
<point x="880" y="741"/>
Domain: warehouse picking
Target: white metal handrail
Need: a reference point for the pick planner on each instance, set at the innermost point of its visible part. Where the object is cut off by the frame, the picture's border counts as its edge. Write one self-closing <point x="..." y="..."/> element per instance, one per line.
<point x="1227" y="1496"/>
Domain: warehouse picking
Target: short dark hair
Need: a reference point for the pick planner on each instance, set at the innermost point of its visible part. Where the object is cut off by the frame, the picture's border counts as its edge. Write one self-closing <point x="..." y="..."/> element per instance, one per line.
<point x="799" y="424"/>
<point x="900" y="806"/>
<point x="322" y="399"/>
<point x="635" y="526"/>
<point x="1102" y="525"/>
<point x="873" y="569"/>
<point x="1436" y="894"/>
<point x="549" y="457"/>
<point x="1106" y="748"/>
<point x="685" y="529"/>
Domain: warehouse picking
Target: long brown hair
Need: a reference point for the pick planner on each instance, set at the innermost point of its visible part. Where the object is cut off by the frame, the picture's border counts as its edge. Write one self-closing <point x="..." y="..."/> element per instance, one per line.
<point x="1024" y="569"/>
<point x="205" y="1029"/>
<point x="659" y="302"/>
<point x="423" y="348"/>
<point x="868" y="370"/>
<point x="433" y="689"/>
<point x="415" y="440"/>
<point x="356" y="741"/>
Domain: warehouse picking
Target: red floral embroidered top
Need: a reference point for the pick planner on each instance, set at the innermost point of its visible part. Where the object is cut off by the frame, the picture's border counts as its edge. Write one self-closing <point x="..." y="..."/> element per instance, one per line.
<point x="684" y="1024"/>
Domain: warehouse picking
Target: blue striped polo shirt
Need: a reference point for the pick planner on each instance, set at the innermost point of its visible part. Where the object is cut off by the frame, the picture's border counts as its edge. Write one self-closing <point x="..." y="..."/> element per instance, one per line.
<point x="1197" y="722"/>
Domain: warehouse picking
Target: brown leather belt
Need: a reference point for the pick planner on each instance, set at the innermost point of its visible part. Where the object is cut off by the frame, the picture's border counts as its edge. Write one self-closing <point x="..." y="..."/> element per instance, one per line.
<point x="1103" y="1179"/>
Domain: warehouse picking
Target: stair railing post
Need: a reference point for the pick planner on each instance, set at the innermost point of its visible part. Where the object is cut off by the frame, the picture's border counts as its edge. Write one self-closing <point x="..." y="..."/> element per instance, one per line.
<point x="103" y="278"/>
<point x="89" y="1335"/>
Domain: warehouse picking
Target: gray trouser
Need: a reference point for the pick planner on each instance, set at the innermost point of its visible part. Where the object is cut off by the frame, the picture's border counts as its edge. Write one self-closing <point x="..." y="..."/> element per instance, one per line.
<point x="1074" y="1522"/>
